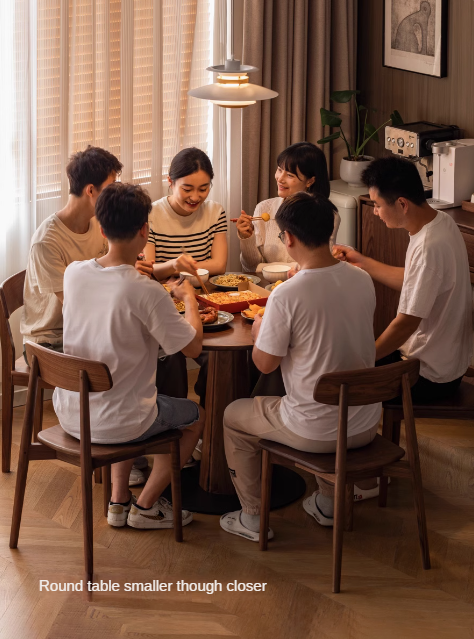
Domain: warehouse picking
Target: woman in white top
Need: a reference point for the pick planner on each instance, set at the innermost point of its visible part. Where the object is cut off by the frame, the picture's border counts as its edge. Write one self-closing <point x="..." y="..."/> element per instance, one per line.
<point x="186" y="222"/>
<point x="300" y="167"/>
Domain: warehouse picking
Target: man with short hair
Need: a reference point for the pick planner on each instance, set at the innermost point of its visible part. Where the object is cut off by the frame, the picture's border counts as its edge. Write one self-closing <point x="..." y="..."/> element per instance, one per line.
<point x="115" y="315"/>
<point x="317" y="322"/>
<point x="70" y="235"/>
<point x="434" y="319"/>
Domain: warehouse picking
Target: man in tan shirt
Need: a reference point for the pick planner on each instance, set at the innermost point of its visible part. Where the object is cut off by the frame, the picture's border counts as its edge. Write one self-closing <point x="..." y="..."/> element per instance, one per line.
<point x="70" y="235"/>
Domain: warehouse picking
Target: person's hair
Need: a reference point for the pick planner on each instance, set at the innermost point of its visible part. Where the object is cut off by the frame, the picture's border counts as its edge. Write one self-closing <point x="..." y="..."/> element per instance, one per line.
<point x="122" y="210"/>
<point x="188" y="161"/>
<point x="394" y="177"/>
<point x="307" y="159"/>
<point x="310" y="218"/>
<point x="92" y="166"/>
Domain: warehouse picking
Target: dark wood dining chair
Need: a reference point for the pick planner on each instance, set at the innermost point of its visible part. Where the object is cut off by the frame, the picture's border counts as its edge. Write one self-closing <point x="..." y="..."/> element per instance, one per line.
<point x="15" y="372"/>
<point x="84" y="377"/>
<point x="381" y="458"/>
<point x="459" y="406"/>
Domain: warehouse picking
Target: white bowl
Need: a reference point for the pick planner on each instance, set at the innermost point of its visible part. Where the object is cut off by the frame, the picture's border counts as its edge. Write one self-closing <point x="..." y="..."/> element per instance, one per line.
<point x="274" y="272"/>
<point x="202" y="272"/>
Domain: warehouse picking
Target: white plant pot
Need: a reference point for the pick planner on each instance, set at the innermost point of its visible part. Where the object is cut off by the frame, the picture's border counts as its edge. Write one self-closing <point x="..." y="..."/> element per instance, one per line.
<point x="351" y="171"/>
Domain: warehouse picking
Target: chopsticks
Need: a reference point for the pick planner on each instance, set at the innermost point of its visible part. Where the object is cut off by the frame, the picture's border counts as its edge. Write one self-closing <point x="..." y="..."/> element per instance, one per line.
<point x="235" y="219"/>
<point x="203" y="286"/>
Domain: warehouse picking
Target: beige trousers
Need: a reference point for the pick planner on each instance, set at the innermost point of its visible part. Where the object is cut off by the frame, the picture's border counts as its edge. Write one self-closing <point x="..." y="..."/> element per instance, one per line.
<point x="248" y="420"/>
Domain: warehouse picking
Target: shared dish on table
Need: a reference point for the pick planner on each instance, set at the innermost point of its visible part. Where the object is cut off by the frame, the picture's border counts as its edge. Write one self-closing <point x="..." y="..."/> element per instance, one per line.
<point x="273" y="286"/>
<point x="232" y="279"/>
<point x="253" y="310"/>
<point x="231" y="298"/>
<point x="208" y="315"/>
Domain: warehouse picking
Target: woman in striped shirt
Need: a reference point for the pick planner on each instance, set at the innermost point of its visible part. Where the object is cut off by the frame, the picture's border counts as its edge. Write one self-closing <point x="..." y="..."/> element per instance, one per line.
<point x="186" y="222"/>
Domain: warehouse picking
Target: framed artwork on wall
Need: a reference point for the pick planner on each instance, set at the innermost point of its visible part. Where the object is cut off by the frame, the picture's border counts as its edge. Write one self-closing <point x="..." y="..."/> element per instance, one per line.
<point x="415" y="36"/>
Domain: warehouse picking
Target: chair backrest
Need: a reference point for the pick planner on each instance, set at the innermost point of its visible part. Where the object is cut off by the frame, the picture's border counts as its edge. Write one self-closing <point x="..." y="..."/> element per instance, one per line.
<point x="11" y="298"/>
<point x="64" y="371"/>
<point x="366" y="386"/>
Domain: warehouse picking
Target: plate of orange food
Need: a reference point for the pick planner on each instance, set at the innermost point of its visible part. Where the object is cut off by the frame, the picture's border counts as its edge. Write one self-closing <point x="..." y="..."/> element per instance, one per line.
<point x="212" y="319"/>
<point x="252" y="311"/>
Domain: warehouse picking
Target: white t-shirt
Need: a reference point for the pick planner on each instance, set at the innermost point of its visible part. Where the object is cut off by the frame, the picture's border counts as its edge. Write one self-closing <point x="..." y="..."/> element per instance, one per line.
<point x="170" y="231"/>
<point x="321" y="321"/>
<point x="437" y="288"/>
<point x="264" y="246"/>
<point x="119" y="317"/>
<point x="53" y="248"/>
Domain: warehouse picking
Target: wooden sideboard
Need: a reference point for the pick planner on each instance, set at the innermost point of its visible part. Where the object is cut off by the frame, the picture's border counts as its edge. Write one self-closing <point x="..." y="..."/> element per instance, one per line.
<point x="375" y="240"/>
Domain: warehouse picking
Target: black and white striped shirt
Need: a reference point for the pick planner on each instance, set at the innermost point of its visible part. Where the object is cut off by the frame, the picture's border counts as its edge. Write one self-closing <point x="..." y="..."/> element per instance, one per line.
<point x="170" y="232"/>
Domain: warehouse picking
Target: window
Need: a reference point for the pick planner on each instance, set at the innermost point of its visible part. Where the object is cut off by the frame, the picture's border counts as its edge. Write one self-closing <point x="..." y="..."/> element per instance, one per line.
<point x="116" y="74"/>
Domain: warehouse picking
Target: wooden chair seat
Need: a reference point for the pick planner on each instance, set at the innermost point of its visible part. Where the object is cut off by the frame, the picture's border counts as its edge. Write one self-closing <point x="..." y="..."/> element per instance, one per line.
<point x="102" y="454"/>
<point x="21" y="374"/>
<point x="379" y="453"/>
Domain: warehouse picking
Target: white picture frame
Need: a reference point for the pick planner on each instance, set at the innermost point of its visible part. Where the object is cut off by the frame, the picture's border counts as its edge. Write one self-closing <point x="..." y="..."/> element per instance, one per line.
<point x="415" y="36"/>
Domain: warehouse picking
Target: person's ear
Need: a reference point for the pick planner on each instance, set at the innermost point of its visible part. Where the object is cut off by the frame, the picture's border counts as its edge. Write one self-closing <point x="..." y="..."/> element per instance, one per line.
<point x="144" y="230"/>
<point x="102" y="232"/>
<point x="404" y="204"/>
<point x="170" y="182"/>
<point x="290" y="239"/>
<point x="310" y="182"/>
<point x="89" y="190"/>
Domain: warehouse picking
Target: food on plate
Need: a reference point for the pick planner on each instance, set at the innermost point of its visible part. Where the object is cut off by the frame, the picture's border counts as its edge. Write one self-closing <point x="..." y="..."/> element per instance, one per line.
<point x="232" y="279"/>
<point x="273" y="287"/>
<point x="208" y="315"/>
<point x="265" y="217"/>
<point x="178" y="303"/>
<point x="253" y="310"/>
<point x="231" y="298"/>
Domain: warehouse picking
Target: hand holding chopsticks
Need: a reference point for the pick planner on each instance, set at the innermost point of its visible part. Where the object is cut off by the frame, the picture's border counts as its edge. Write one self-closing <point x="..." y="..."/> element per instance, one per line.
<point x="196" y="274"/>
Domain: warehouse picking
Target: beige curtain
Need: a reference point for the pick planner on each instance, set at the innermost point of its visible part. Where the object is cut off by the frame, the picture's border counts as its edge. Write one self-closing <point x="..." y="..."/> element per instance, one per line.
<point x="305" y="49"/>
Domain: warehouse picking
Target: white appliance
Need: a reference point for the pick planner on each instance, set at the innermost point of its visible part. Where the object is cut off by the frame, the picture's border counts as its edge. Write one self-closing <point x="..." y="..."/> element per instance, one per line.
<point x="346" y="199"/>
<point x="453" y="173"/>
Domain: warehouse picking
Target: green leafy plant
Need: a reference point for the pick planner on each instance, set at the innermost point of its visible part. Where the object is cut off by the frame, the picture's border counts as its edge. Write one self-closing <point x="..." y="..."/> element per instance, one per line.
<point x="365" y="130"/>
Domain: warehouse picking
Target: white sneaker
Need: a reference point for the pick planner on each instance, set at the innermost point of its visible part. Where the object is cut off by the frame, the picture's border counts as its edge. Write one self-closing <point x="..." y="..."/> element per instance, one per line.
<point x="230" y="522"/>
<point x="137" y="477"/>
<point x="312" y="509"/>
<point x="160" y="515"/>
<point x="360" y="494"/>
<point x="197" y="453"/>
<point x="117" y="513"/>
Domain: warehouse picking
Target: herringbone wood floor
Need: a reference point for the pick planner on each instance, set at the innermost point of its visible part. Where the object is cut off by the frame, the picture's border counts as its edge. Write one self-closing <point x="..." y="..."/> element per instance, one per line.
<point x="385" y="594"/>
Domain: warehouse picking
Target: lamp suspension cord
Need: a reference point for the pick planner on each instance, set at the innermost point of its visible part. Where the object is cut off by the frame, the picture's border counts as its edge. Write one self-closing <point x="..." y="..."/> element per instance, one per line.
<point x="231" y="29"/>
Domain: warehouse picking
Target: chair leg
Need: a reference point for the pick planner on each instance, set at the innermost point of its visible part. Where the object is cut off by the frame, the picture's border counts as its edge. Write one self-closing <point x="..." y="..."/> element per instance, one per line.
<point x="176" y="491"/>
<point x="38" y="421"/>
<point x="87" y="522"/>
<point x="338" y="529"/>
<point x="22" y="474"/>
<point x="107" y="483"/>
<point x="387" y="432"/>
<point x="7" y="421"/>
<point x="98" y="476"/>
<point x="396" y="432"/>
<point x="266" y="494"/>
<point x="349" y="508"/>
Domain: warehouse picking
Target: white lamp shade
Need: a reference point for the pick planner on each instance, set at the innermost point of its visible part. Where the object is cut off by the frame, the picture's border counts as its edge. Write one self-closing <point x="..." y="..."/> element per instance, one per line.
<point x="221" y="93"/>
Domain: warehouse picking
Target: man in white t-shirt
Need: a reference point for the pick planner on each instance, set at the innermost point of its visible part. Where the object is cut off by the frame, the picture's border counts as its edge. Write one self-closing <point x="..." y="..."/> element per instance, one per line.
<point x="434" y="319"/>
<point x="70" y="235"/>
<point x="115" y="315"/>
<point x="317" y="322"/>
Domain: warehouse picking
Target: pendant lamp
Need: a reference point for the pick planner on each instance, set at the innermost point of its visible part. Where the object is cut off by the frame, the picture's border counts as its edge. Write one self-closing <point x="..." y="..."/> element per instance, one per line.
<point x="233" y="89"/>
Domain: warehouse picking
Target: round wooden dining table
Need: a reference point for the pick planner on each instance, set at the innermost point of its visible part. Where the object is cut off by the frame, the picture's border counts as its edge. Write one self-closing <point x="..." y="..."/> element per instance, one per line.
<point x="231" y="376"/>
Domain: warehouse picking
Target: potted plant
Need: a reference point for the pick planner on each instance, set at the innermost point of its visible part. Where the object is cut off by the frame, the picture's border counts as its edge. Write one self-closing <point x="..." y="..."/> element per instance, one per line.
<point x="355" y="162"/>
